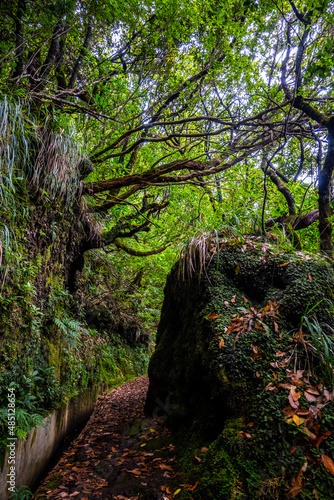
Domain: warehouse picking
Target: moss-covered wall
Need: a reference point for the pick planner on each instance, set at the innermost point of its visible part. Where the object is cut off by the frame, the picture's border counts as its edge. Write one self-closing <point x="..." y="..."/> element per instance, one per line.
<point x="48" y="350"/>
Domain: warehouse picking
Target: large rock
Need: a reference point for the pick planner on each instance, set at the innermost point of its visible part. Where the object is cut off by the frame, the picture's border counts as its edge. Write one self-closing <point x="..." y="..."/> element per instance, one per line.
<point x="229" y="346"/>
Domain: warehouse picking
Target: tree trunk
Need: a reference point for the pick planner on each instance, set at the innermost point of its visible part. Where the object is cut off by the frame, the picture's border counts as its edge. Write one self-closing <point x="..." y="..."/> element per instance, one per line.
<point x="324" y="189"/>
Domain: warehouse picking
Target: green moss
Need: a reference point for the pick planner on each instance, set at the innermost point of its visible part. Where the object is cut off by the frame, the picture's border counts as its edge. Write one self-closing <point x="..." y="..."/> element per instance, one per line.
<point x="54" y="482"/>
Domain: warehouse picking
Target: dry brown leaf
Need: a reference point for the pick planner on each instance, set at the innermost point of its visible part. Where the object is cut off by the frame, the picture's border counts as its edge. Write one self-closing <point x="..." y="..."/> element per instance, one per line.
<point x="280" y="353"/>
<point x="315" y="411"/>
<point x="295" y="490"/>
<point x="302" y="412"/>
<point x="134" y="471"/>
<point x="312" y="438"/>
<point x="270" y="387"/>
<point x="285" y="264"/>
<point x="166" y="467"/>
<point x="237" y="269"/>
<point x="245" y="434"/>
<point x="233" y="298"/>
<point x="284" y="386"/>
<point x="221" y="343"/>
<point x="226" y="303"/>
<point x="192" y="488"/>
<point x="288" y="412"/>
<point x="328" y="463"/>
<point x="309" y="276"/>
<point x="204" y="450"/>
<point x="310" y="398"/>
<point x="214" y="316"/>
<point x="293" y="404"/>
<point x="295" y="395"/>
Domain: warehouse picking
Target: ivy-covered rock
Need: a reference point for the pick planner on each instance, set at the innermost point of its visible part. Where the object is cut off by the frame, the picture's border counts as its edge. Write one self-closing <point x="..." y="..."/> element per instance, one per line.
<point x="243" y="363"/>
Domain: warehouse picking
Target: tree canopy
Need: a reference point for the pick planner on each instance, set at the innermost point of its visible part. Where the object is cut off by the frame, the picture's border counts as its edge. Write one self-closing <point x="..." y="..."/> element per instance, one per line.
<point x="207" y="109"/>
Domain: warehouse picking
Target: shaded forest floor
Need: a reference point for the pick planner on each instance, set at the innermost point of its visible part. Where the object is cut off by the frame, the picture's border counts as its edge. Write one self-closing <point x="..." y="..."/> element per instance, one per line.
<point x="120" y="454"/>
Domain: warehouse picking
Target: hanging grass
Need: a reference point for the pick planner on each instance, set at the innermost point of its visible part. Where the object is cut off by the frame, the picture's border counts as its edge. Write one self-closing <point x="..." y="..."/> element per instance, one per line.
<point x="47" y="159"/>
<point x="34" y="160"/>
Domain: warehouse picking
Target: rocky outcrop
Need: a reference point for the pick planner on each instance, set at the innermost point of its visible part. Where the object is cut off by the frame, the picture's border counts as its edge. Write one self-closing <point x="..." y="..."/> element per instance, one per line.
<point x="234" y="359"/>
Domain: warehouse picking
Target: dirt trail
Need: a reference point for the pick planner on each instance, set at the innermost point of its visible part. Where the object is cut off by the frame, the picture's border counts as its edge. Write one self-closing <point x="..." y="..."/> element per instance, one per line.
<point x="119" y="455"/>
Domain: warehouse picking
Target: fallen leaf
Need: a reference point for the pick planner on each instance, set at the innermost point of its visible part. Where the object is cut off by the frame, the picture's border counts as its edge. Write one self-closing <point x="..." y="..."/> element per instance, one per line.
<point x="295" y="395"/>
<point x="293" y="404"/>
<point x="226" y="303"/>
<point x="303" y="412"/>
<point x="177" y="491"/>
<point x="270" y="387"/>
<point x="237" y="269"/>
<point x="233" y="298"/>
<point x="275" y="326"/>
<point x="285" y="264"/>
<point x="214" y="316"/>
<point x="309" y="276"/>
<point x="328" y="463"/>
<point x="245" y="434"/>
<point x="288" y="412"/>
<point x="250" y="424"/>
<point x="135" y="471"/>
<point x="310" y="398"/>
<point x="204" y="450"/>
<point x="297" y="420"/>
<point x="280" y="353"/>
<point x="166" y="467"/>
<point x="294" y="491"/>
<point x="284" y="386"/>
<point x="245" y="300"/>
<point x="312" y="438"/>
<point x="221" y="343"/>
<point x="192" y="488"/>
<point x="257" y="374"/>
<point x="315" y="411"/>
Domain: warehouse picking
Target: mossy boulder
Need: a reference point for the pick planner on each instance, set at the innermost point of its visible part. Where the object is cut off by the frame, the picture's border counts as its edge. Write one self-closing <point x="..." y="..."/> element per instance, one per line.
<point x="233" y="363"/>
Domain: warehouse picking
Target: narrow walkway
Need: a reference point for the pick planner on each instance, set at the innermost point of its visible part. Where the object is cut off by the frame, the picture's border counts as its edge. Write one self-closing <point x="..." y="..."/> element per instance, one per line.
<point x="119" y="455"/>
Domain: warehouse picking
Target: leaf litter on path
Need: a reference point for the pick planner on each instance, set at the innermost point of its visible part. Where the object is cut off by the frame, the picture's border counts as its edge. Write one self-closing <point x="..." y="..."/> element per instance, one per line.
<point x="120" y="454"/>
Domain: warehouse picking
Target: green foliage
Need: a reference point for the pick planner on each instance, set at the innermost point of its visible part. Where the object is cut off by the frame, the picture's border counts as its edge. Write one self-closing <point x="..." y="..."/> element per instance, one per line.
<point x="324" y="345"/>
<point x="21" y="493"/>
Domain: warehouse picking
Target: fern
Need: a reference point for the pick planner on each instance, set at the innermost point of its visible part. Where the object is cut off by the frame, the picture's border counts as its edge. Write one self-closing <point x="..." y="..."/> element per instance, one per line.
<point x="71" y="330"/>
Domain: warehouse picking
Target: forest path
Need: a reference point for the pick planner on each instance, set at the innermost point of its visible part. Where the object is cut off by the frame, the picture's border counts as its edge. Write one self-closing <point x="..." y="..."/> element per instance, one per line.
<point x="119" y="455"/>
